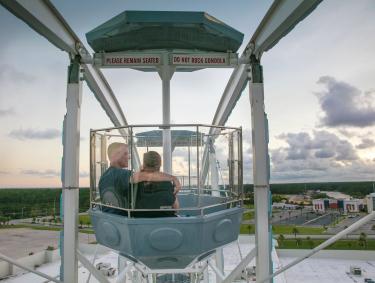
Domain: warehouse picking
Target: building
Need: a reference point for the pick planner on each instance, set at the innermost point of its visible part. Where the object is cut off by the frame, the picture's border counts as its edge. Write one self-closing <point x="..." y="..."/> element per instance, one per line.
<point x="281" y="205"/>
<point x="370" y="202"/>
<point x="343" y="205"/>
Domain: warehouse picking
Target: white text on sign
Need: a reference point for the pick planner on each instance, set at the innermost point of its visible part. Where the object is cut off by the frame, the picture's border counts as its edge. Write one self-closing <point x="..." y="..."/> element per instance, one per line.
<point x="135" y="60"/>
<point x="198" y="60"/>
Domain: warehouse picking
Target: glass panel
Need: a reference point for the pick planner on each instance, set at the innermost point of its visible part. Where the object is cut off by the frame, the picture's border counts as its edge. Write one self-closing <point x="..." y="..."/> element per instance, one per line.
<point x="206" y="159"/>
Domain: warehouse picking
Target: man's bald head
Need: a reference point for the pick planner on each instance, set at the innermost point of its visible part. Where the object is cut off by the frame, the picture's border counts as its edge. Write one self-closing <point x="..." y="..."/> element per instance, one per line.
<point x="118" y="154"/>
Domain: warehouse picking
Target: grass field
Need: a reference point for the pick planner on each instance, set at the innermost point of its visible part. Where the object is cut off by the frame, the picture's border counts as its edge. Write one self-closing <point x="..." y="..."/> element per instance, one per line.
<point x="302" y="230"/>
<point x="248" y="215"/>
<point x="84" y="219"/>
<point x="339" y="245"/>
<point x="284" y="229"/>
<point x="249" y="206"/>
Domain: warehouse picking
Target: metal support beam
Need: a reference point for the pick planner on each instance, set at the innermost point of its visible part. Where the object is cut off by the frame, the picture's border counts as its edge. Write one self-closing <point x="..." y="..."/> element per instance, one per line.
<point x="240" y="267"/>
<point x="43" y="17"/>
<point x="214" y="171"/>
<point x="166" y="72"/>
<point x="16" y="263"/>
<point x="70" y="171"/>
<point x="99" y="86"/>
<point x="87" y="264"/>
<point x="232" y="93"/>
<point x="280" y="19"/>
<point x="220" y="276"/>
<point x="260" y="172"/>
<point x="122" y="270"/>
<point x="219" y="260"/>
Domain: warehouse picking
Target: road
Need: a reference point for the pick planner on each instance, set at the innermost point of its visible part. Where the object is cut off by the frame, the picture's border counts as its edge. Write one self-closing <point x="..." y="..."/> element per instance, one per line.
<point x="323" y="236"/>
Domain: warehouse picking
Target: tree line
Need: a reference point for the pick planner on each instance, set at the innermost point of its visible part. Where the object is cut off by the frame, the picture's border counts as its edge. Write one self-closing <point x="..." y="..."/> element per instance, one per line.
<point x="354" y="189"/>
<point x="28" y="203"/>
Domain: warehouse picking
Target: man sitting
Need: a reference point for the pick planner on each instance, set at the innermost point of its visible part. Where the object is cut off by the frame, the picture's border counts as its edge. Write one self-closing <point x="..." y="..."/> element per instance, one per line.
<point x="114" y="183"/>
<point x="155" y="189"/>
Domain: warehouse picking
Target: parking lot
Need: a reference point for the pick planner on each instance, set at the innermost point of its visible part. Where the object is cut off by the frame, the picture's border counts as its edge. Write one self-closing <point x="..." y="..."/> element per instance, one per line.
<point x="303" y="217"/>
<point x="332" y="220"/>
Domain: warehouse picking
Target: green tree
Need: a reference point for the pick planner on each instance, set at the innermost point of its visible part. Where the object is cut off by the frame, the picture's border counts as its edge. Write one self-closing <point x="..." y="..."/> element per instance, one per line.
<point x="250" y="228"/>
<point x="3" y="220"/>
<point x="295" y="231"/>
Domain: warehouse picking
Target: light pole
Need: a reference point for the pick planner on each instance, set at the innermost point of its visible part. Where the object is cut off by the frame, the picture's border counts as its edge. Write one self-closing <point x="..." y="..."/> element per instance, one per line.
<point x="54" y="208"/>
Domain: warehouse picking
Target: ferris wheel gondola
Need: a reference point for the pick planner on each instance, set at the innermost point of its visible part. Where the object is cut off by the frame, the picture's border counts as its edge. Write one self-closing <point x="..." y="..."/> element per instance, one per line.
<point x="209" y="216"/>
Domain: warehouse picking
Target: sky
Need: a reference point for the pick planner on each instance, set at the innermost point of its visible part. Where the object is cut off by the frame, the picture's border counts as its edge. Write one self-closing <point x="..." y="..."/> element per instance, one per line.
<point x="319" y="92"/>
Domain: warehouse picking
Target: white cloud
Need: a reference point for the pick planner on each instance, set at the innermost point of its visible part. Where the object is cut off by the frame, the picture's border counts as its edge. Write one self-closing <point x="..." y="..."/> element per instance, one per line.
<point x="49" y="173"/>
<point x="7" y="112"/>
<point x="43" y="174"/>
<point x="84" y="174"/>
<point x="25" y="134"/>
<point x="345" y="105"/>
<point x="10" y="73"/>
<point x="321" y="156"/>
<point x="366" y="143"/>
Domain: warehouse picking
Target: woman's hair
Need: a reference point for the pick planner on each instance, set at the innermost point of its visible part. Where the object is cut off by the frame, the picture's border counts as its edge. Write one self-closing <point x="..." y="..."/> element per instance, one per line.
<point x="151" y="160"/>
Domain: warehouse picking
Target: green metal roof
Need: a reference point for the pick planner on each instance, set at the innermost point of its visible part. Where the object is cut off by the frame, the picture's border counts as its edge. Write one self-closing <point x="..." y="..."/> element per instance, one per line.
<point x="141" y="30"/>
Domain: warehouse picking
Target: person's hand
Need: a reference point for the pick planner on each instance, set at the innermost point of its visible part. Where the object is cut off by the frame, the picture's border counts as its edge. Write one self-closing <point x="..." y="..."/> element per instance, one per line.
<point x="177" y="185"/>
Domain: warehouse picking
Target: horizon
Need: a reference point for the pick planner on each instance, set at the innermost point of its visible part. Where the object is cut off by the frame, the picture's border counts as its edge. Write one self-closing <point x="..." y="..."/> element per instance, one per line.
<point x="271" y="183"/>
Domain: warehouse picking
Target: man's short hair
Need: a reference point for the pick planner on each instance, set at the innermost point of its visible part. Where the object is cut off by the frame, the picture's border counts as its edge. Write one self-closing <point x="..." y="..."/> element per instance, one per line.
<point x="113" y="148"/>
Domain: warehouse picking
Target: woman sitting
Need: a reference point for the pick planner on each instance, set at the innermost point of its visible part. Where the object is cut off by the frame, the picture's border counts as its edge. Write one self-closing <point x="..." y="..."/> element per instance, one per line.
<point x="155" y="189"/>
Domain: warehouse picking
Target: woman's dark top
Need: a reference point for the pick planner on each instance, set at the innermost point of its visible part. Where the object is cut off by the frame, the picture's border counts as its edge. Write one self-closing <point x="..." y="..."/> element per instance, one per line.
<point x="154" y="195"/>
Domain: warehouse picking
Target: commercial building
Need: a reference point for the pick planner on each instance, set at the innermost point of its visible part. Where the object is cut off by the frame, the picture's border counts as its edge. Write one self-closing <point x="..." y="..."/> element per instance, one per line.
<point x="344" y="205"/>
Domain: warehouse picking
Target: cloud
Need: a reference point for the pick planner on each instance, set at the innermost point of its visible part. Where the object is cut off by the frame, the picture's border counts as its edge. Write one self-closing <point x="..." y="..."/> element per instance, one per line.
<point x="4" y="172"/>
<point x="317" y="156"/>
<point x="345" y="105"/>
<point x="366" y="143"/>
<point x="6" y="112"/>
<point x="10" y="73"/>
<point x="32" y="134"/>
<point x="347" y="133"/>
<point x="322" y="144"/>
<point x="84" y="174"/>
<point x="50" y="173"/>
<point x="43" y="174"/>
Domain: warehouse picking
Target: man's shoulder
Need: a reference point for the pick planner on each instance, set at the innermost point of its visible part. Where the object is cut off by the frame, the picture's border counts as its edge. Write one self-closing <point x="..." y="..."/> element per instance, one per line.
<point x="118" y="170"/>
<point x="113" y="173"/>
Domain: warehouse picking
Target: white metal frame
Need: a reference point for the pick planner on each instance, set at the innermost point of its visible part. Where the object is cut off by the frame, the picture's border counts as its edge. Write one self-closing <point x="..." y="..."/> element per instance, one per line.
<point x="70" y="172"/>
<point x="281" y="18"/>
